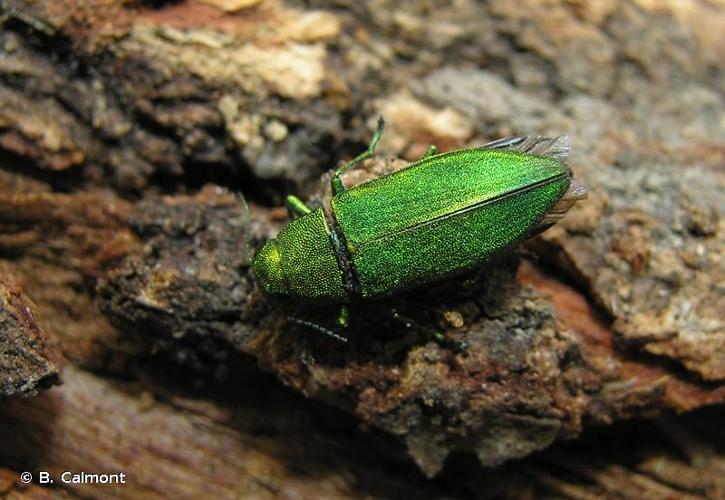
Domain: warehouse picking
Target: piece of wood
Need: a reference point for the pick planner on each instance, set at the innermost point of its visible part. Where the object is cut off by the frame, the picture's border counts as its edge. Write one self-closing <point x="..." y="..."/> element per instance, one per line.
<point x="258" y="440"/>
<point x="26" y="365"/>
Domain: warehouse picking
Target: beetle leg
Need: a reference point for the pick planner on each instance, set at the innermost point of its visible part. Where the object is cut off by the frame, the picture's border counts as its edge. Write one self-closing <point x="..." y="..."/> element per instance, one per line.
<point x="472" y="280"/>
<point x="344" y="316"/>
<point x="411" y="323"/>
<point x="336" y="182"/>
<point x="317" y="327"/>
<point x="296" y="207"/>
<point x="437" y="336"/>
<point x="431" y="151"/>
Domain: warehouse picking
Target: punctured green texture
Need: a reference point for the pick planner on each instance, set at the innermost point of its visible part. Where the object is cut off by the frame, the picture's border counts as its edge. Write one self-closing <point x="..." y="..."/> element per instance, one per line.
<point x="440" y="216"/>
<point x="267" y="268"/>
<point x="451" y="245"/>
<point x="444" y="214"/>
<point x="308" y="260"/>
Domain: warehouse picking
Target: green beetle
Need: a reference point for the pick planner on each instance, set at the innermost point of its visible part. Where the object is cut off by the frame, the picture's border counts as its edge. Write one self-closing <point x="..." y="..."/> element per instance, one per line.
<point x="440" y="216"/>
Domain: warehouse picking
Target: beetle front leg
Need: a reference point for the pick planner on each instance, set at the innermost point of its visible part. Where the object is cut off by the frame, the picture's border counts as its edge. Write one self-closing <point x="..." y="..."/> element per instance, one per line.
<point x="336" y="182"/>
<point x="431" y="151"/>
<point x="296" y="207"/>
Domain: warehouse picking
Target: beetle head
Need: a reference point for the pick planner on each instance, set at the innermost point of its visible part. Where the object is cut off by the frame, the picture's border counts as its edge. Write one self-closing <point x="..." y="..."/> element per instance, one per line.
<point x="267" y="268"/>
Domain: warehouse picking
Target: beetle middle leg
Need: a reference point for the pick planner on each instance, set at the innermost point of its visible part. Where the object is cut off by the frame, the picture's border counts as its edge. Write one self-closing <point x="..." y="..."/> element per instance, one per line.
<point x="437" y="336"/>
<point x="336" y="182"/>
<point x="411" y="323"/>
<point x="472" y="280"/>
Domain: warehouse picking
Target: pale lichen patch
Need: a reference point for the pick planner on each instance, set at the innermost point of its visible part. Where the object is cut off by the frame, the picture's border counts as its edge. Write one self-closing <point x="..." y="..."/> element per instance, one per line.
<point x="446" y="126"/>
<point x="291" y="70"/>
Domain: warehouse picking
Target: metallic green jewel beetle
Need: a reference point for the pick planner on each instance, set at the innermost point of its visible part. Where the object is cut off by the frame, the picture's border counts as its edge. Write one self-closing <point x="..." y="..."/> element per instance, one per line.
<point x="440" y="216"/>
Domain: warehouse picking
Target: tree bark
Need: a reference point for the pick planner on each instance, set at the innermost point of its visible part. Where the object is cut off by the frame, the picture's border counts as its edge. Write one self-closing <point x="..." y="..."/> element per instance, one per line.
<point x="147" y="146"/>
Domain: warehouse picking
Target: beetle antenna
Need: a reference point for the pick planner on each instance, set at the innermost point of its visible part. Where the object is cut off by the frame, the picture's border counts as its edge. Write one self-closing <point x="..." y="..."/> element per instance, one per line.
<point x="376" y="136"/>
<point x="317" y="327"/>
<point x="246" y="230"/>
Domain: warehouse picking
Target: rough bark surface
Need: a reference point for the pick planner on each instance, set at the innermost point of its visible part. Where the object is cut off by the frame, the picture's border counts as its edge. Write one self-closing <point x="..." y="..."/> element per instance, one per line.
<point x="25" y="366"/>
<point x="261" y="441"/>
<point x="132" y="132"/>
